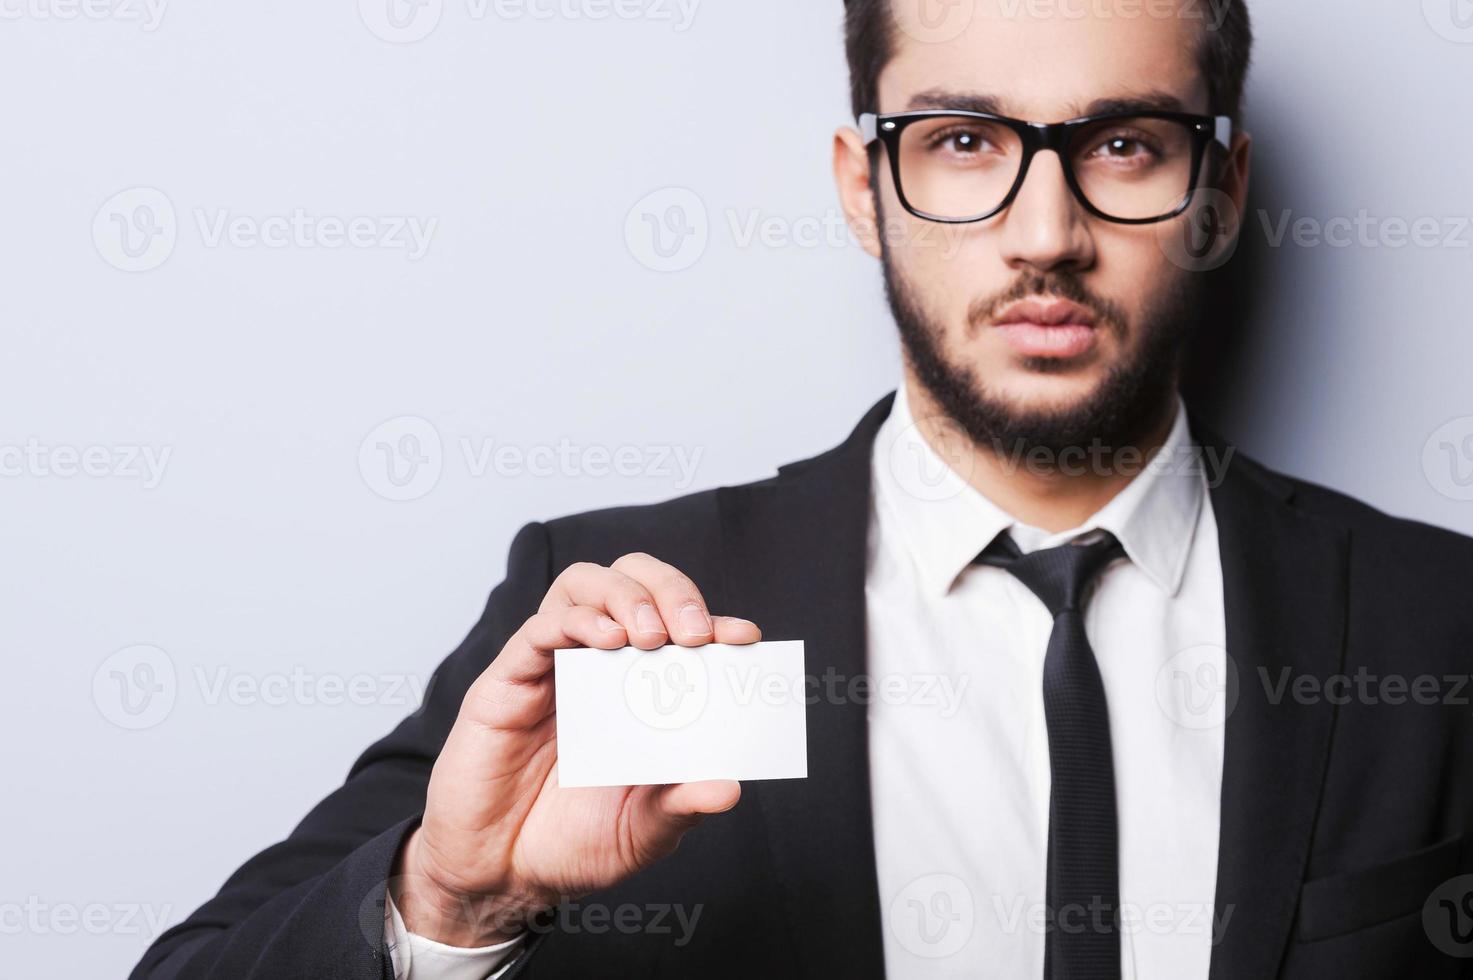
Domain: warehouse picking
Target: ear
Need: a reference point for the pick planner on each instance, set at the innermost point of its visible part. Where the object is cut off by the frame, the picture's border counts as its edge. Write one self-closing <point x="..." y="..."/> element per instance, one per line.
<point x="852" y="178"/>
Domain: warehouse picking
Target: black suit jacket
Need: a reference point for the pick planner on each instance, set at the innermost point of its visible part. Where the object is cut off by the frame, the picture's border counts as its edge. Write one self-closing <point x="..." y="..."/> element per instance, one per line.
<point x="1338" y="819"/>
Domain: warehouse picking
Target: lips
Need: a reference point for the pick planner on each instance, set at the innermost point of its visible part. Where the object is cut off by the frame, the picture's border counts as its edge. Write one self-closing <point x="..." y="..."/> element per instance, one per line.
<point x="1047" y="328"/>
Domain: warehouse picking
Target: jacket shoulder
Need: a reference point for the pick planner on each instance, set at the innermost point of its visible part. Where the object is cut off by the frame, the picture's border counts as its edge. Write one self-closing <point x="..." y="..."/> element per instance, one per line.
<point x="605" y="533"/>
<point x="683" y="531"/>
<point x="690" y="525"/>
<point x="1405" y="546"/>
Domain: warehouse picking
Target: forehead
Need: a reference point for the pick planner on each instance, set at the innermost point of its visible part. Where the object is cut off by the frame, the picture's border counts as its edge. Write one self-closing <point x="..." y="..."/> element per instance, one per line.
<point x="1045" y="60"/>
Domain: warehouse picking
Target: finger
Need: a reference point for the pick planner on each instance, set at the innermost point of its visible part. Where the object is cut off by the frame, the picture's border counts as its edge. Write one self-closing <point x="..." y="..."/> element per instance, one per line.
<point x="699" y="798"/>
<point x="665" y="813"/>
<point x="680" y="603"/>
<point x="527" y="656"/>
<point x="730" y="629"/>
<point x="621" y="596"/>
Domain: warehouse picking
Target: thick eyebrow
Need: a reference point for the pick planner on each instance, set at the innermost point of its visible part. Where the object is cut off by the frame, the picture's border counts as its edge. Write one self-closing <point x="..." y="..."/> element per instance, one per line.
<point x="1150" y="101"/>
<point x="1154" y="101"/>
<point x="935" y="98"/>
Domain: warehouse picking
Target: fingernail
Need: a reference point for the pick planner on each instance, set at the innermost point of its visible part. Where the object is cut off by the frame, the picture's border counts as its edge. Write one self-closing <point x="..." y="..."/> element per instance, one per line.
<point x="608" y="624"/>
<point x="647" y="619"/>
<point x="694" y="621"/>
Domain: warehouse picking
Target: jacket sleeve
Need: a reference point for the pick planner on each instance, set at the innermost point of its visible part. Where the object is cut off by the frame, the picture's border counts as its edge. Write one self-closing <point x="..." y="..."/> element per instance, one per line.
<point x="312" y="906"/>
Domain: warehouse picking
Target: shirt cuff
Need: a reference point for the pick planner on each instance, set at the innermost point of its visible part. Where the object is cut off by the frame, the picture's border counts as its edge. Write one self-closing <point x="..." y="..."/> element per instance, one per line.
<point x="418" y="958"/>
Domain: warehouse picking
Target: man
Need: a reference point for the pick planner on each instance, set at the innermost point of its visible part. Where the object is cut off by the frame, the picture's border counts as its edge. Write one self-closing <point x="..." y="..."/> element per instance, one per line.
<point x="1148" y="761"/>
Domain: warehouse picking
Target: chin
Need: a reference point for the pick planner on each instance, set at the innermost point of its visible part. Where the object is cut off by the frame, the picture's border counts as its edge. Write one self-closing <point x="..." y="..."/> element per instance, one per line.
<point x="1029" y="392"/>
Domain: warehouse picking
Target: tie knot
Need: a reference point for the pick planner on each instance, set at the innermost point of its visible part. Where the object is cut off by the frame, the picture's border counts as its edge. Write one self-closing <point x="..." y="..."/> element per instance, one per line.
<point x="1058" y="576"/>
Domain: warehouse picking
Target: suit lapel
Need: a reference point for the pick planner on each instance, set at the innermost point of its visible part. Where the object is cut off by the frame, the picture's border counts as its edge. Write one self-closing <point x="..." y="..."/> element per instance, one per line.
<point x="795" y="549"/>
<point x="1284" y="589"/>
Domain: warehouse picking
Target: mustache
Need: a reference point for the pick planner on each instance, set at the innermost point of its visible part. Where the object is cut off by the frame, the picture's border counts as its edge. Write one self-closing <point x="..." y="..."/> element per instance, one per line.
<point x="1062" y="284"/>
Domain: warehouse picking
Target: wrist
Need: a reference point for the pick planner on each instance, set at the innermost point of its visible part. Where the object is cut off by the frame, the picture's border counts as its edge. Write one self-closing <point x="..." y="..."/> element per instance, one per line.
<point x="447" y="913"/>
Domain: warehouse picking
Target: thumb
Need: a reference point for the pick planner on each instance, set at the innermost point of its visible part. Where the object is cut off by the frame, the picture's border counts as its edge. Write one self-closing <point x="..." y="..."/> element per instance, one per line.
<point x="669" y="811"/>
<point x="699" y="799"/>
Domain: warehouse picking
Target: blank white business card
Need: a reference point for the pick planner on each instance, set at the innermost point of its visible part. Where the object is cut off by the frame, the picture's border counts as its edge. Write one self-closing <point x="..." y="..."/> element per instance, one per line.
<point x="633" y="717"/>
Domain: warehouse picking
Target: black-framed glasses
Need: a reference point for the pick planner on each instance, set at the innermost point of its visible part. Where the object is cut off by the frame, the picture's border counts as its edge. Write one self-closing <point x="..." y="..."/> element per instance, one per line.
<point x="1133" y="168"/>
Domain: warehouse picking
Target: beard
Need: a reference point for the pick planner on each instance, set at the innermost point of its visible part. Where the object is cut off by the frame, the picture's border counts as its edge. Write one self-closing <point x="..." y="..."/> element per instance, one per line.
<point x="1129" y="405"/>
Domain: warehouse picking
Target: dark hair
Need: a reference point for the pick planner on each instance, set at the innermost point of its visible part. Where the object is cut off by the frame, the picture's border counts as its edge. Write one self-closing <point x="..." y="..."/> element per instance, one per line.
<point x="869" y="34"/>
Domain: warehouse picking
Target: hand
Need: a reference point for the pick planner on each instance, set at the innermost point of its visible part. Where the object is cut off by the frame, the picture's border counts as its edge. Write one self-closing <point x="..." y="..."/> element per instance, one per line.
<point x="500" y="840"/>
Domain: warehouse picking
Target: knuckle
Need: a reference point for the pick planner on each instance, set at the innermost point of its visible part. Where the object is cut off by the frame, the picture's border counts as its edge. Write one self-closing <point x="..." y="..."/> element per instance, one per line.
<point x="632" y="558"/>
<point x="496" y="702"/>
<point x="486" y="696"/>
<point x="679" y="588"/>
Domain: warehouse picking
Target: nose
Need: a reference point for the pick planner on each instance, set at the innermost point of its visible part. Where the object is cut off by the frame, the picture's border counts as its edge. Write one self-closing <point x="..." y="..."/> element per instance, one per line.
<point x="1045" y="228"/>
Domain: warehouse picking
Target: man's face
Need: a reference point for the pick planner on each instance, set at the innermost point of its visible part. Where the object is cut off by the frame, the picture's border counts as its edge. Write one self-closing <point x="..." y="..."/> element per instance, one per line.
<point x="1043" y="324"/>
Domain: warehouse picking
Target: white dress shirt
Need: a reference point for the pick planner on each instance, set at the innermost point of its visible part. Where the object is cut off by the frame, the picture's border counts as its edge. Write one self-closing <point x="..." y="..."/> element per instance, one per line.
<point x="960" y="768"/>
<point x="417" y="958"/>
<point x="959" y="758"/>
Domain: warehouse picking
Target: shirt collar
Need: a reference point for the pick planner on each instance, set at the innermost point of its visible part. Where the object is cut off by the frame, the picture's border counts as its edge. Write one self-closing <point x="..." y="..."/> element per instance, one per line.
<point x="946" y="522"/>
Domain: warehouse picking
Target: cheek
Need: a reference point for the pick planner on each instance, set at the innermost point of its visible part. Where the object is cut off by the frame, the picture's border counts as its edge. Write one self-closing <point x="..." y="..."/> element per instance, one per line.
<point x="1132" y="268"/>
<point x="948" y="267"/>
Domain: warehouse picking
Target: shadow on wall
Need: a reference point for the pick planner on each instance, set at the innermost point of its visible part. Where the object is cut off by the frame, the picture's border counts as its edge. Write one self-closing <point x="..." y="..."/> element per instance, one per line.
<point x="1216" y="382"/>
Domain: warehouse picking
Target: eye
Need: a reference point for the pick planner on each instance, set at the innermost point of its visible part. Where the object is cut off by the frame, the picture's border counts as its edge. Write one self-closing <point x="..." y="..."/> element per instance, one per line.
<point x="1125" y="148"/>
<point x="959" y="141"/>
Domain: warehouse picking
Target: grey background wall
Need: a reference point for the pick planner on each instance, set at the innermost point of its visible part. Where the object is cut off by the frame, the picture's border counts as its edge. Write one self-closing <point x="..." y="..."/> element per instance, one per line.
<point x="308" y="308"/>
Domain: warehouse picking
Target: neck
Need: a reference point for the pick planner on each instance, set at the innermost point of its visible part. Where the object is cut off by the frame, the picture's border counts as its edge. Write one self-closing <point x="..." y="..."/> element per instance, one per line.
<point x="1044" y="496"/>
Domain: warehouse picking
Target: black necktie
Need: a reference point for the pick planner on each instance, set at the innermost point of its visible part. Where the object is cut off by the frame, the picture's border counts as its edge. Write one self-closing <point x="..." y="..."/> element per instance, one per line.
<point x="1083" y="939"/>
